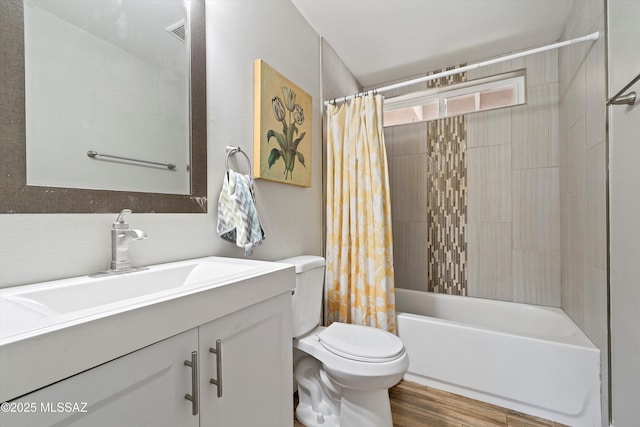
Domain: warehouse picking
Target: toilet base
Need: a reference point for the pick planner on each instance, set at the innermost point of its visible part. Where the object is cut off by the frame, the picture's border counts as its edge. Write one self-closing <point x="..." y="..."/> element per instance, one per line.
<point x="318" y="398"/>
<point x="310" y="418"/>
<point x="360" y="408"/>
<point x="357" y="409"/>
<point x="322" y="403"/>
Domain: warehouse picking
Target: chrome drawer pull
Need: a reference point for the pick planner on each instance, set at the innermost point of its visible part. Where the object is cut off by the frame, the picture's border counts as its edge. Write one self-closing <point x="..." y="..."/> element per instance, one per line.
<point x="218" y="352"/>
<point x="193" y="397"/>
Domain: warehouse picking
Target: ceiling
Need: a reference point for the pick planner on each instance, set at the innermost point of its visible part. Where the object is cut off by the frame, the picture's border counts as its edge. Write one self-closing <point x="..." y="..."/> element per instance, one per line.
<point x="385" y="40"/>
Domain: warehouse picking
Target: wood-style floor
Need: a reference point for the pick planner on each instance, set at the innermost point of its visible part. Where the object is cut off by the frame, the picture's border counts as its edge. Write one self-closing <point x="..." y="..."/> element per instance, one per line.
<point x="414" y="405"/>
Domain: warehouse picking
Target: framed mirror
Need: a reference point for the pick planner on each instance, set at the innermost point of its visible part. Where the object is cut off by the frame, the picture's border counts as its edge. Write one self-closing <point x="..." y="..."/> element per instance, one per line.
<point x="21" y="193"/>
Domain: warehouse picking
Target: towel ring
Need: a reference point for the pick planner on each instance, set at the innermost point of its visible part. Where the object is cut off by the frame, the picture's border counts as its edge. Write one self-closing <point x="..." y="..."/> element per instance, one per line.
<point x="231" y="150"/>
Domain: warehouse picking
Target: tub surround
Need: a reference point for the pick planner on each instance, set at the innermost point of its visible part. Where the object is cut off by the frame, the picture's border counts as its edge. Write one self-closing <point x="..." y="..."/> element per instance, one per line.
<point x="480" y="193"/>
<point x="585" y="161"/>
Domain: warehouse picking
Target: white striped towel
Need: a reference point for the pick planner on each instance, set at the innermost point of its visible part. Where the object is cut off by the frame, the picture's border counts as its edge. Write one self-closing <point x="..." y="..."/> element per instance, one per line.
<point x="238" y="220"/>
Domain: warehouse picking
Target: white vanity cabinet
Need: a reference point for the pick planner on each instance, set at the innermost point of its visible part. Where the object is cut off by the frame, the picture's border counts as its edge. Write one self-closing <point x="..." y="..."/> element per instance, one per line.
<point x="135" y="349"/>
<point x="144" y="388"/>
<point x="252" y="366"/>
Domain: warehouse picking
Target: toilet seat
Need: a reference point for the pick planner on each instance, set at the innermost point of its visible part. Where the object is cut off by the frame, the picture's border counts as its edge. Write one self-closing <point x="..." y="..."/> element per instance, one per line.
<point x="361" y="343"/>
<point x="369" y="373"/>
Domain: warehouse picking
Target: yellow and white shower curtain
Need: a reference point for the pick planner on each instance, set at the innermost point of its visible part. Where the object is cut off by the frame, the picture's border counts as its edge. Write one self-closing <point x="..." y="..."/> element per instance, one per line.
<point x="359" y="249"/>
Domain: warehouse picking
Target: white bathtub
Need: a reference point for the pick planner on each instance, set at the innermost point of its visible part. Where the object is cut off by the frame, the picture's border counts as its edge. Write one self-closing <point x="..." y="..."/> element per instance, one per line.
<point x="531" y="359"/>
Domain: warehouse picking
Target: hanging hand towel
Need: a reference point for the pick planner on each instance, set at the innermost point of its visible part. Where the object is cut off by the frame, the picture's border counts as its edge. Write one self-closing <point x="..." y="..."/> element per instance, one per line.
<point x="238" y="220"/>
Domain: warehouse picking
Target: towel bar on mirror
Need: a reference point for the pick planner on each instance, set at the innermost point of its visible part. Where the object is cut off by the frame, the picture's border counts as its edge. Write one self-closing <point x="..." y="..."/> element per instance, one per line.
<point x="231" y="150"/>
<point x="94" y="154"/>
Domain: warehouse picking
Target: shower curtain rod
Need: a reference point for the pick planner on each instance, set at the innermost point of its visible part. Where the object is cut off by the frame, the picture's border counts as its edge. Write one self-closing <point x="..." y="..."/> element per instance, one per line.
<point x="592" y="36"/>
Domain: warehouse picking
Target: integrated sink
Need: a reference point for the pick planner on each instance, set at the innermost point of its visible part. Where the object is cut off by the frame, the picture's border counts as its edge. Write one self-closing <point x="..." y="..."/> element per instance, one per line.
<point x="53" y="330"/>
<point x="25" y="308"/>
<point x="94" y="292"/>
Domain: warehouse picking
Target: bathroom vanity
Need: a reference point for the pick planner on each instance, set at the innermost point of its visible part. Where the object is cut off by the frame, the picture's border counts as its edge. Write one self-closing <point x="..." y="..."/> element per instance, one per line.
<point x="213" y="349"/>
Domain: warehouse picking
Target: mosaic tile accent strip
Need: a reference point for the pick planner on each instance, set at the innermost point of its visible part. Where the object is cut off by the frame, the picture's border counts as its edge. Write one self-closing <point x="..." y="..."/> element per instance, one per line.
<point x="449" y="80"/>
<point x="447" y="201"/>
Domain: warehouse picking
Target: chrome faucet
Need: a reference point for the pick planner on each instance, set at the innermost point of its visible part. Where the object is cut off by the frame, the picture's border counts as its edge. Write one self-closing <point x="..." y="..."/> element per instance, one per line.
<point x="121" y="238"/>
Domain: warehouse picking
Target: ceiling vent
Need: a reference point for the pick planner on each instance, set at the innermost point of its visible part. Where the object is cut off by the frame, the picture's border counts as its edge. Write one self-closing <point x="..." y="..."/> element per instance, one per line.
<point x="178" y="30"/>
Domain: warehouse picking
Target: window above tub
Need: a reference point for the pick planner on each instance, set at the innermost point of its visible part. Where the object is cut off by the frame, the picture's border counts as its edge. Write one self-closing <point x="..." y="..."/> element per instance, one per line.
<point x="487" y="93"/>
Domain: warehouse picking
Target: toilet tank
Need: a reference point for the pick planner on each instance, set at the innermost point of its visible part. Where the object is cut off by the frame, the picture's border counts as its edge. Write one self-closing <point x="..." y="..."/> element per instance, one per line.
<point x="307" y="299"/>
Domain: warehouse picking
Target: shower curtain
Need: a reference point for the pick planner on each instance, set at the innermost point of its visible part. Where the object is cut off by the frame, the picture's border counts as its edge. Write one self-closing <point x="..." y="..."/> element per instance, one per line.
<point x="359" y="249"/>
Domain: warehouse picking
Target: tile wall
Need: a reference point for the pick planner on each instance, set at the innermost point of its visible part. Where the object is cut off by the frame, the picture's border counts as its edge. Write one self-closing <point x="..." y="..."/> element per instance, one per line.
<point x="583" y="178"/>
<point x="447" y="200"/>
<point x="428" y="181"/>
<point x="447" y="206"/>
<point x="409" y="176"/>
<point x="513" y="161"/>
<point x="512" y="195"/>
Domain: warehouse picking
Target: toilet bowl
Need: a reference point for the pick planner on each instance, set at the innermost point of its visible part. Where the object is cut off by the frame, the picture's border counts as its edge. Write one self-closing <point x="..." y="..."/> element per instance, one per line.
<point x="359" y="364"/>
<point x="343" y="371"/>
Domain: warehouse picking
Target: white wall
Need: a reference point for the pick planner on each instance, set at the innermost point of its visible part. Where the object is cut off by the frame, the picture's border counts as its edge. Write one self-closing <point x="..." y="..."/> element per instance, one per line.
<point x="337" y="79"/>
<point x="46" y="247"/>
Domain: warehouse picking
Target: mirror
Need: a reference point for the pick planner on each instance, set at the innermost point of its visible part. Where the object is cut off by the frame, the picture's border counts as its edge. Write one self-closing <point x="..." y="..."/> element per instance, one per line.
<point x="128" y="119"/>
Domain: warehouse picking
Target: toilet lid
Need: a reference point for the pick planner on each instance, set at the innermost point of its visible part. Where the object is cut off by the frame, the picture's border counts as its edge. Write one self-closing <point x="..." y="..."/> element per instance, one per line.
<point x="362" y="343"/>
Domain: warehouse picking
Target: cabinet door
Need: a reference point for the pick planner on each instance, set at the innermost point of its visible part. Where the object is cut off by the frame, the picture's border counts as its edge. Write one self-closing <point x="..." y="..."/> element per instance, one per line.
<point x="256" y="367"/>
<point x="144" y="388"/>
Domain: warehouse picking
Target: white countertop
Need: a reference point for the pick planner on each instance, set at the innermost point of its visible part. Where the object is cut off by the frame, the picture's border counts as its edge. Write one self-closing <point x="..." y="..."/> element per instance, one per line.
<point x="41" y="343"/>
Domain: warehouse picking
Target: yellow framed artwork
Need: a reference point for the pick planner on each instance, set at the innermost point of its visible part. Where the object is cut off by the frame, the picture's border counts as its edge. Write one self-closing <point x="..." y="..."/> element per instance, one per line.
<point x="282" y="128"/>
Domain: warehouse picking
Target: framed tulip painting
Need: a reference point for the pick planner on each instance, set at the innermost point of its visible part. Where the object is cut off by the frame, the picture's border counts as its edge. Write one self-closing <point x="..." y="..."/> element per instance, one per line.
<point x="282" y="128"/>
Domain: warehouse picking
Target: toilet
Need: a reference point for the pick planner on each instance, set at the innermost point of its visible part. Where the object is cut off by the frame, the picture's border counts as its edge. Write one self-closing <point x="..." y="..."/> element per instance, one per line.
<point x="343" y="371"/>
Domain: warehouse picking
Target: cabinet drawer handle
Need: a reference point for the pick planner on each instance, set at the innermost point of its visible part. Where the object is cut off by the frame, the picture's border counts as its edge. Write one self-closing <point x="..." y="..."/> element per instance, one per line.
<point x="218" y="352"/>
<point x="193" y="397"/>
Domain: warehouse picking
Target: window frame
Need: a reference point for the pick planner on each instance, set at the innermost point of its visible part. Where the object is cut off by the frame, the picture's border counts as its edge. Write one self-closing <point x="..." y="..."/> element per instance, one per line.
<point x="440" y="95"/>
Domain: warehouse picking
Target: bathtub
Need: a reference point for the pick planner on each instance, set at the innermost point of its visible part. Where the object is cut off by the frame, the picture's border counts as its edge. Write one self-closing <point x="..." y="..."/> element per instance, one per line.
<point x="531" y="359"/>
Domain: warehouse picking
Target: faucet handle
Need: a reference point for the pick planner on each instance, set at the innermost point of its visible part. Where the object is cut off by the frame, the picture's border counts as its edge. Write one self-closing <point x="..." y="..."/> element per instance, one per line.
<point x="120" y="219"/>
